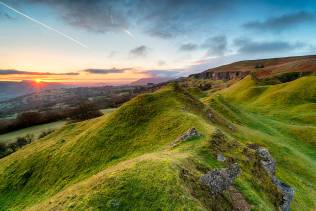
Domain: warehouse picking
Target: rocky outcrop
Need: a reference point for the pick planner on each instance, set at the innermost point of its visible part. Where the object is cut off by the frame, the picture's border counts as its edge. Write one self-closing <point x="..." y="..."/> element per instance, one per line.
<point x="269" y="165"/>
<point x="266" y="160"/>
<point x="287" y="194"/>
<point x="192" y="132"/>
<point x="227" y="75"/>
<point x="219" y="180"/>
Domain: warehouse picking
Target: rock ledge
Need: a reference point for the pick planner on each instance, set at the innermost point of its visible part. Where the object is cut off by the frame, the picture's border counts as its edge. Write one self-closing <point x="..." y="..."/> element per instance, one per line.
<point x="192" y="132"/>
<point x="269" y="165"/>
<point x="219" y="180"/>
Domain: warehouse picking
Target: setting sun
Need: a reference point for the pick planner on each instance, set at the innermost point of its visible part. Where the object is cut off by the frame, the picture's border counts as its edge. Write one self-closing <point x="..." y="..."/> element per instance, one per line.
<point x="37" y="80"/>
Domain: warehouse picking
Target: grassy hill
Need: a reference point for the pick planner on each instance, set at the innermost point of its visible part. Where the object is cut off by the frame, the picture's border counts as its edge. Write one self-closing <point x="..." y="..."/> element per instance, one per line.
<point x="281" y="118"/>
<point x="79" y="151"/>
<point x="268" y="67"/>
<point x="297" y="93"/>
<point x="124" y="160"/>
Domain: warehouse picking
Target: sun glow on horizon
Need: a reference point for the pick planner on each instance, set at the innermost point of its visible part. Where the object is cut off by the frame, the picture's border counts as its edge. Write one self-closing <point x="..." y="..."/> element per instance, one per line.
<point x="37" y="80"/>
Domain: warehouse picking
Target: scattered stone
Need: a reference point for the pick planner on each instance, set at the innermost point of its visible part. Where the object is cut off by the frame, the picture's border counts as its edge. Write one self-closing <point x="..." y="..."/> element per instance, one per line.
<point x="192" y="132"/>
<point x="269" y="165"/>
<point x="266" y="160"/>
<point x="219" y="180"/>
<point x="221" y="157"/>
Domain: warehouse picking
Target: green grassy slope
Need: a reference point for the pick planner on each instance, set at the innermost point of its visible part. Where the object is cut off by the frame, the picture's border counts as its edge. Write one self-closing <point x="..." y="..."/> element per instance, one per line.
<point x="146" y="124"/>
<point x="124" y="160"/>
<point x="281" y="118"/>
<point x="282" y="98"/>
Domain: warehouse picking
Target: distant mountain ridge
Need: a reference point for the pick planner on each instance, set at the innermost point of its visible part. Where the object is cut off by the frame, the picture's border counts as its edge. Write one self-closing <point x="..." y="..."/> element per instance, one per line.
<point x="11" y="90"/>
<point x="153" y="80"/>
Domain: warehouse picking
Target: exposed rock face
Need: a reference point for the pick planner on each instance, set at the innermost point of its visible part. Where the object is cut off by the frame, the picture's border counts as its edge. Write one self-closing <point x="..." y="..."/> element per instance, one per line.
<point x="266" y="160"/>
<point x="287" y="194"/>
<point x="192" y="132"/>
<point x="218" y="75"/>
<point x="219" y="180"/>
<point x="269" y="165"/>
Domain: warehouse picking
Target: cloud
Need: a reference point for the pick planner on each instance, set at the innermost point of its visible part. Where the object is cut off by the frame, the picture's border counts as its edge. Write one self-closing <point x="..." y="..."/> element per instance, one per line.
<point x="164" y="18"/>
<point x="161" y="73"/>
<point x="106" y="71"/>
<point x="282" y="22"/>
<point x="216" y="46"/>
<point x="18" y="72"/>
<point x="161" y="63"/>
<point x="249" y="46"/>
<point x="168" y="19"/>
<point x="140" y="51"/>
<point x="94" y="15"/>
<point x="188" y="47"/>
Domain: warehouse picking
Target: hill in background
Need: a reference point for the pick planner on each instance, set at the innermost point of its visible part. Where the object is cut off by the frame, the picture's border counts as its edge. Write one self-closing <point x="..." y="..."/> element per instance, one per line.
<point x="152" y="80"/>
<point x="262" y="68"/>
<point x="11" y="90"/>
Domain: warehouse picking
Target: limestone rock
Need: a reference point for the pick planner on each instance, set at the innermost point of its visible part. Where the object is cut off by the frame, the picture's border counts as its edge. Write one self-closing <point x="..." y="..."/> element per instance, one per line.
<point x="192" y="132"/>
<point x="219" y="180"/>
<point x="266" y="160"/>
<point x="269" y="165"/>
<point x="287" y="194"/>
<point x="221" y="157"/>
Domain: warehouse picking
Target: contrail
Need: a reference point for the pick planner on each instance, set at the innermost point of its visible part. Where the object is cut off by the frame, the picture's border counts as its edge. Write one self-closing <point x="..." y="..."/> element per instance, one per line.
<point x="129" y="33"/>
<point x="44" y="25"/>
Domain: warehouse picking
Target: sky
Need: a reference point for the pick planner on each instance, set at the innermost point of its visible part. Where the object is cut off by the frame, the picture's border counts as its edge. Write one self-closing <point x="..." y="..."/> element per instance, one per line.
<point x="117" y="42"/>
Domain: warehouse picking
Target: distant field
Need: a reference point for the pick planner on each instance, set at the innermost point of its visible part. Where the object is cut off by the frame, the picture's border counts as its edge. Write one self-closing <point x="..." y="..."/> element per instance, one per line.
<point x="35" y="130"/>
<point x="108" y="110"/>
